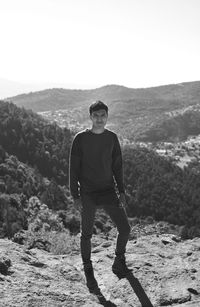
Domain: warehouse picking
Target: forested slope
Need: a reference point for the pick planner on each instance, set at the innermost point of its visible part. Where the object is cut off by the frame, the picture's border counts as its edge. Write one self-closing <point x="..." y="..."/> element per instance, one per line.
<point x="155" y="186"/>
<point x="175" y="128"/>
<point x="33" y="162"/>
<point x="35" y="141"/>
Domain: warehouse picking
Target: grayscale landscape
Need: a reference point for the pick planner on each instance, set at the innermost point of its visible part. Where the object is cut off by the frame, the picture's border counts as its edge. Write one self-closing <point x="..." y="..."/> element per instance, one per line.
<point x="141" y="58"/>
<point x="40" y="262"/>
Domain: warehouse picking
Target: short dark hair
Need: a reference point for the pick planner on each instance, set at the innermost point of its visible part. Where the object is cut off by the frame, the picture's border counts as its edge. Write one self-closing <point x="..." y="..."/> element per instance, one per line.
<point x="98" y="105"/>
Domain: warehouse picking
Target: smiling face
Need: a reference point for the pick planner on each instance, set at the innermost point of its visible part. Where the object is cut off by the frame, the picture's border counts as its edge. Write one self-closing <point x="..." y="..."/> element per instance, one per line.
<point x="99" y="119"/>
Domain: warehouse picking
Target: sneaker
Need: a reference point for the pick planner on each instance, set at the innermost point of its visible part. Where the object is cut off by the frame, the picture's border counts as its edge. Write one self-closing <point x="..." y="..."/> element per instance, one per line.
<point x="119" y="267"/>
<point x="90" y="279"/>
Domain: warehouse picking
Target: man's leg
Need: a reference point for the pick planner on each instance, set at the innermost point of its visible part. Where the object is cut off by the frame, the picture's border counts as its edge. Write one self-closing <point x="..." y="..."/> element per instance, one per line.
<point x="87" y="222"/>
<point x="119" y="217"/>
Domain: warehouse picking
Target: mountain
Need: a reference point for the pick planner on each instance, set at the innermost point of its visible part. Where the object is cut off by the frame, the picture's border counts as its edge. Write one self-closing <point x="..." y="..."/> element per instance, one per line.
<point x="58" y="98"/>
<point x="131" y="111"/>
<point x="54" y="99"/>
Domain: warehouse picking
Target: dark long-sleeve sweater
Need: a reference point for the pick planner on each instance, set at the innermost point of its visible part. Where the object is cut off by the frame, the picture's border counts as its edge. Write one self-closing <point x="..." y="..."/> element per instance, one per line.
<point x="95" y="160"/>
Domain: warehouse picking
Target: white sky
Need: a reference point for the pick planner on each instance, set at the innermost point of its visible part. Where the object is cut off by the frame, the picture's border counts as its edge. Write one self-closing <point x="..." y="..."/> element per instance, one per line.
<point x="91" y="43"/>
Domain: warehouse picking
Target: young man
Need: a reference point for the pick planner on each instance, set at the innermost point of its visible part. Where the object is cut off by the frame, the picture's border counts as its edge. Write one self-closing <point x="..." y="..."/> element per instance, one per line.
<point x="95" y="161"/>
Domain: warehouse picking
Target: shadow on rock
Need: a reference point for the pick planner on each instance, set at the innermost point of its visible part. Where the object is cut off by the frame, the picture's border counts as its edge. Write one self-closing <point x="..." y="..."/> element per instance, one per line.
<point x="139" y="291"/>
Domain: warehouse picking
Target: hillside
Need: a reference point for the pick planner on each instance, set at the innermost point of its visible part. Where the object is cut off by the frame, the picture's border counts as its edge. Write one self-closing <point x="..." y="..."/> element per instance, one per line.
<point x="132" y="112"/>
<point x="33" y="162"/>
<point x="155" y="186"/>
<point x="177" y="126"/>
<point x="34" y="141"/>
<point x="165" y="268"/>
<point x="58" y="98"/>
<point x="54" y="99"/>
<point x="38" y="213"/>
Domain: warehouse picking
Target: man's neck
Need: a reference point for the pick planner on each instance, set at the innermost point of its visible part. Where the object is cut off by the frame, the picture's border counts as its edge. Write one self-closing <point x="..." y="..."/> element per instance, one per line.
<point x="97" y="131"/>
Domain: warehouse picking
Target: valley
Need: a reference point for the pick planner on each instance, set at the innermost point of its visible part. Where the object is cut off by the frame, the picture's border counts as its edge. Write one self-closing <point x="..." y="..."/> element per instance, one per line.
<point x="181" y="152"/>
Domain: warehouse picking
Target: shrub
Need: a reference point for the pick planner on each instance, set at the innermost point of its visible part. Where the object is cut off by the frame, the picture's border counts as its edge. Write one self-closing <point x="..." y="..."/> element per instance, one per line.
<point x="63" y="243"/>
<point x="40" y="217"/>
<point x="12" y="214"/>
<point x="70" y="221"/>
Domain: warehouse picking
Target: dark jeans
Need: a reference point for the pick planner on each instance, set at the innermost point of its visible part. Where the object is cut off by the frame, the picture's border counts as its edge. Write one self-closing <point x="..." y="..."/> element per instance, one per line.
<point x="110" y="203"/>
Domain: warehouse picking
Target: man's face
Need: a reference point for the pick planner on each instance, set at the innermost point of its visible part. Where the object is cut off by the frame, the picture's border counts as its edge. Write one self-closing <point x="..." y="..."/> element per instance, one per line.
<point x="99" y="118"/>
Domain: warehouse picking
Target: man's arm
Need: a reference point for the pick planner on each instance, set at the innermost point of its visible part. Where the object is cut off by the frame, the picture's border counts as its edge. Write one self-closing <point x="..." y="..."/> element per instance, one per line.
<point x="74" y="167"/>
<point x="117" y="166"/>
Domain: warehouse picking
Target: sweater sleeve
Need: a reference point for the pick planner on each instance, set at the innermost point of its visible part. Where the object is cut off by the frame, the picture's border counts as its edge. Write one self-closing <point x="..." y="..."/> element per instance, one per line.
<point x="117" y="165"/>
<point x="74" y="167"/>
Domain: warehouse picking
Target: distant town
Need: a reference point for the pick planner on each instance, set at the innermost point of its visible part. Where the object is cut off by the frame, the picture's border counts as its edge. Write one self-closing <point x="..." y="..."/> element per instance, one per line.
<point x="182" y="153"/>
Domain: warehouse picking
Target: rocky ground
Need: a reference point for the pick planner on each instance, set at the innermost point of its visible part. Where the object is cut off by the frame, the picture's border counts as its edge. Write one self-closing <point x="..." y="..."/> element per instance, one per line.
<point x="166" y="272"/>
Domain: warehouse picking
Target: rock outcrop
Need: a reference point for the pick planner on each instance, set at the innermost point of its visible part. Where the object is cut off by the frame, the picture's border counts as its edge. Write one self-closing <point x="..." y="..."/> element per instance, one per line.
<point x="165" y="272"/>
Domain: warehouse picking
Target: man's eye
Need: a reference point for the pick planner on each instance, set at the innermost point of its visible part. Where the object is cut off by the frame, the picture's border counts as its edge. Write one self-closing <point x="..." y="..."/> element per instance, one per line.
<point x="99" y="116"/>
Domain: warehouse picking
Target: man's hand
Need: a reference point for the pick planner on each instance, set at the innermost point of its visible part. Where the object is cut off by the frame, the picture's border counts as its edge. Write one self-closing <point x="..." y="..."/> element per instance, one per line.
<point x="122" y="200"/>
<point x="77" y="204"/>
